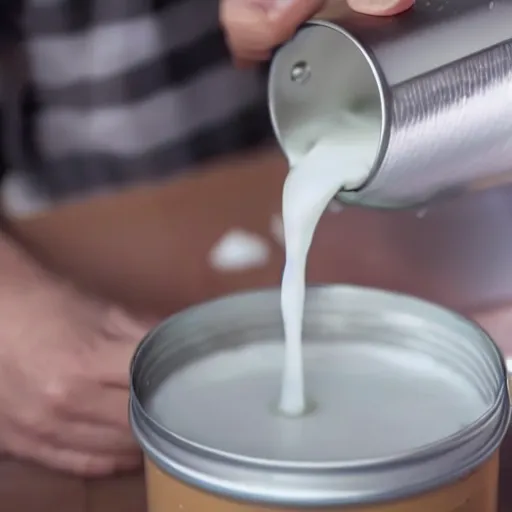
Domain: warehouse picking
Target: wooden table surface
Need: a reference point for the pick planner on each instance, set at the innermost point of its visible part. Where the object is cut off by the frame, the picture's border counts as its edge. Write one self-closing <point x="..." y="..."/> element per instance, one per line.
<point x="27" y="488"/>
<point x="458" y="255"/>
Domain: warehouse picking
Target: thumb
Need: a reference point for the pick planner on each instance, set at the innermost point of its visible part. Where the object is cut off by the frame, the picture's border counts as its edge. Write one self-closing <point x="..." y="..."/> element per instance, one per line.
<point x="254" y="27"/>
<point x="380" y="7"/>
<point x="287" y="15"/>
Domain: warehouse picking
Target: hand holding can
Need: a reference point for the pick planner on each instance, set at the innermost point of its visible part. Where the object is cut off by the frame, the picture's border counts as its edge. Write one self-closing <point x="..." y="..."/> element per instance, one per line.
<point x="255" y="27"/>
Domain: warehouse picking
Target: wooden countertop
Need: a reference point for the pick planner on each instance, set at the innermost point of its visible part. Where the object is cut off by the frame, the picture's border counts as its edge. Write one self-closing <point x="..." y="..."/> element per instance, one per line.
<point x="149" y="249"/>
<point x="28" y="488"/>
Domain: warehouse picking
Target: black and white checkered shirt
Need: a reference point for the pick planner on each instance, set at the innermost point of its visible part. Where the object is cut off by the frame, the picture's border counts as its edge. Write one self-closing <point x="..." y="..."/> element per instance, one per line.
<point x="99" y="94"/>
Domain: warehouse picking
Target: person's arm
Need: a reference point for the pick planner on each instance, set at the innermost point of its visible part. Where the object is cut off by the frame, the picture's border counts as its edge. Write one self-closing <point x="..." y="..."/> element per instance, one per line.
<point x="64" y="365"/>
<point x="64" y="355"/>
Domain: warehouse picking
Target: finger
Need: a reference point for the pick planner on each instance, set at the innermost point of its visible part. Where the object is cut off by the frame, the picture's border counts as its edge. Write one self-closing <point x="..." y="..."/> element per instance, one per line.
<point x="80" y="462"/>
<point x="100" y="425"/>
<point x="93" y="438"/>
<point x="288" y="15"/>
<point x="380" y="7"/>
<point x="246" y="26"/>
<point x="108" y="408"/>
<point x="112" y="361"/>
<point x="254" y="28"/>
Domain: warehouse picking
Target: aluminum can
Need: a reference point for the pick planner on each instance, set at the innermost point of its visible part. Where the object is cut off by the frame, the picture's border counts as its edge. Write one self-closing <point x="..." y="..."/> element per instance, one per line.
<point x="438" y="77"/>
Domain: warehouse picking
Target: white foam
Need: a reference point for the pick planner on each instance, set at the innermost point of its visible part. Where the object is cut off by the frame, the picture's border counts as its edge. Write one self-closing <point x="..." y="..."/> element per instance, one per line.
<point x="238" y="251"/>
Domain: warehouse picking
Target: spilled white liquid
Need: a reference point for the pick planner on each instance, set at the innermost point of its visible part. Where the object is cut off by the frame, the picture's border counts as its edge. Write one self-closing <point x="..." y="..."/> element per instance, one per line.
<point x="341" y="158"/>
<point x="239" y="250"/>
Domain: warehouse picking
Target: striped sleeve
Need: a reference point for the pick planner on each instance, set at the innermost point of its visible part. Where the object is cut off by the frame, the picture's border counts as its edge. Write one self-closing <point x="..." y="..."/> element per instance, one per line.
<point x="126" y="91"/>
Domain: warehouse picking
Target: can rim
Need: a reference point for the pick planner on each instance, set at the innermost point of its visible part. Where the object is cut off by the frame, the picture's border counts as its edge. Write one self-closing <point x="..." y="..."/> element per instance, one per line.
<point x="153" y="436"/>
<point x="346" y="195"/>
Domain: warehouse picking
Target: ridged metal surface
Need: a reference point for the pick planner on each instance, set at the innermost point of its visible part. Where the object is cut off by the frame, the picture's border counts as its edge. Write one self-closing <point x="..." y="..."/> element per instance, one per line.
<point x="444" y="77"/>
<point x="449" y="128"/>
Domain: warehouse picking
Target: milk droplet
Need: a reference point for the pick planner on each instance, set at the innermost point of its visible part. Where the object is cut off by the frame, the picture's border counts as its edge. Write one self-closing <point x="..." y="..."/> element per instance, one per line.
<point x="239" y="250"/>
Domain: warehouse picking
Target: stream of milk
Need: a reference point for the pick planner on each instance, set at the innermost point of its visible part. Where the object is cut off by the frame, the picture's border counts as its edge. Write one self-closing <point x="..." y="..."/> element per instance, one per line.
<point x="227" y="401"/>
<point x="341" y="157"/>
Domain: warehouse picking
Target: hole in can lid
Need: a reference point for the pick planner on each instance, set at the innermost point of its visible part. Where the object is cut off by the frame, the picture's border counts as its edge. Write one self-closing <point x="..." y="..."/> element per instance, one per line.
<point x="301" y="72"/>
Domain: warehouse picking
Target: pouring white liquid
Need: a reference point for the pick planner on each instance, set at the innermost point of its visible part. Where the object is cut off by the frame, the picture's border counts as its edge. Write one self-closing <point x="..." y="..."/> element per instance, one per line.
<point x="371" y="400"/>
<point x="343" y="157"/>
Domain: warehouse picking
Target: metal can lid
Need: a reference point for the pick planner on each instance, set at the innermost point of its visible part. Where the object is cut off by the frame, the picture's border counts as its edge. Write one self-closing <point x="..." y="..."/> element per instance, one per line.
<point x="321" y="80"/>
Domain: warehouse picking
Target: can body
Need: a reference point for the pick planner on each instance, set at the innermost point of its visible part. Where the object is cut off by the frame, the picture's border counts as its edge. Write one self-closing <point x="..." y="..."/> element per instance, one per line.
<point x="440" y="78"/>
<point x="476" y="493"/>
<point x="190" y="470"/>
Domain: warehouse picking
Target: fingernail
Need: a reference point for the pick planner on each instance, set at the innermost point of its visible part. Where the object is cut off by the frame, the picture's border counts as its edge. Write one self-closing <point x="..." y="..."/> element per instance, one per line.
<point x="380" y="7"/>
<point x="282" y="4"/>
<point x="278" y="8"/>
